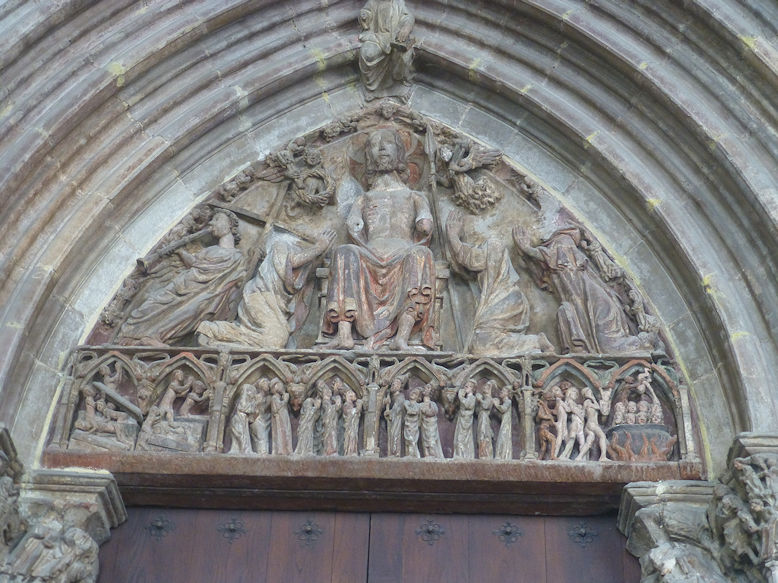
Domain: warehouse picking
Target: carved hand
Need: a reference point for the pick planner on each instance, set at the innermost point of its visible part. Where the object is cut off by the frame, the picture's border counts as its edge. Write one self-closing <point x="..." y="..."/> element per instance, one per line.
<point x="424" y="226"/>
<point x="455" y="224"/>
<point x="521" y="238"/>
<point x="325" y="239"/>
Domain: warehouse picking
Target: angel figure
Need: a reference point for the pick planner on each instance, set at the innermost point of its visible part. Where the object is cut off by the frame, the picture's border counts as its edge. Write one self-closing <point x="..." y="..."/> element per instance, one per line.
<point x="461" y="159"/>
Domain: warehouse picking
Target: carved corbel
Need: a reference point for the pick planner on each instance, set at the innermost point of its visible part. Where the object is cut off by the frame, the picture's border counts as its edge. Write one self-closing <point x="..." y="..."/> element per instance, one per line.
<point x="53" y="521"/>
<point x="721" y="531"/>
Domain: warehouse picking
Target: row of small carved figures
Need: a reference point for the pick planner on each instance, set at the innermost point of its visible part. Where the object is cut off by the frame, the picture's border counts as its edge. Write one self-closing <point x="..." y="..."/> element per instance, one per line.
<point x="329" y="420"/>
<point x="563" y="421"/>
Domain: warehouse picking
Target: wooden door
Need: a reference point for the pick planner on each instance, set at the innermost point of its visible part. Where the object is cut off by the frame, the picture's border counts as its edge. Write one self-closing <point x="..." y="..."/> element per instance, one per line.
<point x="218" y="546"/>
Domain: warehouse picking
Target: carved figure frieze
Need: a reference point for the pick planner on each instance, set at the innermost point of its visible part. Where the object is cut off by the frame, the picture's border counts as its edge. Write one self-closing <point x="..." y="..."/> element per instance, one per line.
<point x="362" y="405"/>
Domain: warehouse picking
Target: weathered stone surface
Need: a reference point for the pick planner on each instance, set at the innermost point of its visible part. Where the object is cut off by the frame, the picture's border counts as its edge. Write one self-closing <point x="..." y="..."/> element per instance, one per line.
<point x="714" y="531"/>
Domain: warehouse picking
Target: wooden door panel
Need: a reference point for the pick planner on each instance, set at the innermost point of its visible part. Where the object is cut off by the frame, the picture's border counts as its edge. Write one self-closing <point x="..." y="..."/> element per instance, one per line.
<point x="416" y="548"/>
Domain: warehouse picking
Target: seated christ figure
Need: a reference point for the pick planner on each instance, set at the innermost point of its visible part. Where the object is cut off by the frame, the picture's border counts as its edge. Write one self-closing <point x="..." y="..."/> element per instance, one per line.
<point x="383" y="285"/>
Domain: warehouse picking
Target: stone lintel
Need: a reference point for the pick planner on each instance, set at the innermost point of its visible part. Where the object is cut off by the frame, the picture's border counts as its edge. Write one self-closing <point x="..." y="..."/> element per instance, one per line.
<point x="371" y="484"/>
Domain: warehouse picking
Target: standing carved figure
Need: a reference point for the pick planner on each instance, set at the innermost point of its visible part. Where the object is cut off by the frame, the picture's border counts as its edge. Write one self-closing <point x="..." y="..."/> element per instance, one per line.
<point x="205" y="290"/>
<point x="430" y="434"/>
<point x="592" y="429"/>
<point x="282" y="427"/>
<point x="386" y="52"/>
<point x="331" y="407"/>
<point x="395" y="408"/>
<point x="591" y="317"/>
<point x="545" y="419"/>
<point x="411" y="424"/>
<point x="177" y="388"/>
<point x="260" y="426"/>
<point x="245" y="408"/>
<point x="502" y="315"/>
<point x="383" y="285"/>
<point x="463" y="432"/>
<point x="352" y="410"/>
<point x="274" y="303"/>
<point x="484" y="428"/>
<point x="575" y="426"/>
<point x="305" y="429"/>
<point x="198" y="394"/>
<point x="558" y="392"/>
<point x="503" y="405"/>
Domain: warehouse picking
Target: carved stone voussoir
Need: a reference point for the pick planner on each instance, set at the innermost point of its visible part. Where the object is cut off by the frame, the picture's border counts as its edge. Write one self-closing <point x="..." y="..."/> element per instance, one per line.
<point x="709" y="531"/>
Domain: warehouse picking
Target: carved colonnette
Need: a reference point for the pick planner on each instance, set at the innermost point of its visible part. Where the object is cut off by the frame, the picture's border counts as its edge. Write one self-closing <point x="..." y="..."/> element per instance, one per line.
<point x="720" y="531"/>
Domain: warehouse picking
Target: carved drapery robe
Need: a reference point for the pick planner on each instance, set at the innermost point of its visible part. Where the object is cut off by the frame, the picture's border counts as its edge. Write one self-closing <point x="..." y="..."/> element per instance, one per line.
<point x="504" y="449"/>
<point x="282" y="428"/>
<point x="351" y="416"/>
<point x="463" y="432"/>
<point x="382" y="60"/>
<point x="411" y="428"/>
<point x="590" y="317"/>
<point x="387" y="272"/>
<point x="203" y="291"/>
<point x="245" y="407"/>
<point x="502" y="315"/>
<point x="330" y="414"/>
<point x="305" y="428"/>
<point x="394" y="419"/>
<point x="430" y="435"/>
<point x="273" y="303"/>
<point x="484" y="428"/>
<point x="260" y="427"/>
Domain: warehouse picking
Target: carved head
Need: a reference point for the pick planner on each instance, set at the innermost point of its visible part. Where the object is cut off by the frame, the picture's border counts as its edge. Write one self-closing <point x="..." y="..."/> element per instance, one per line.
<point x="351" y="396"/>
<point x="296" y="394"/>
<point x="312" y="157"/>
<point x="277" y="387"/>
<point x="263" y="386"/>
<point x="178" y="375"/>
<point x="414" y="394"/>
<point x="384" y="153"/>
